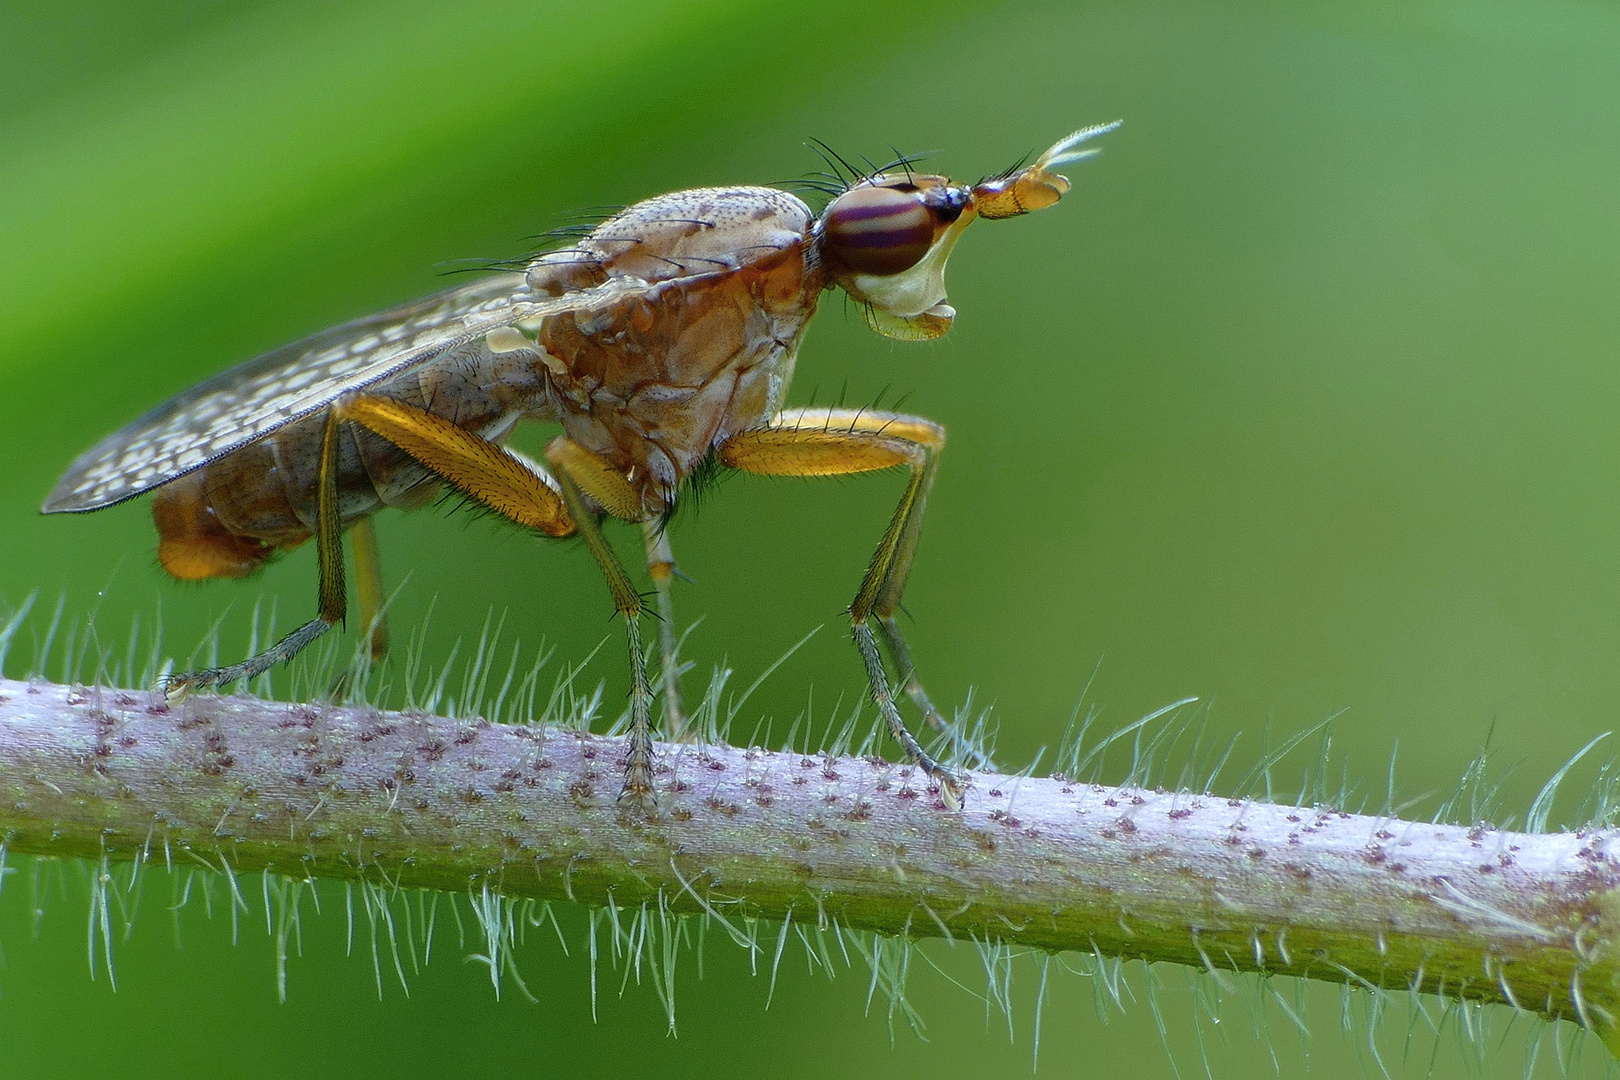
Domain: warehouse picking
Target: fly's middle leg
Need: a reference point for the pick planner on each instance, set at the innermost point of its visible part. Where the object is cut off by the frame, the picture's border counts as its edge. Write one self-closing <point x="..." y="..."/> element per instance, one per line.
<point x="838" y="442"/>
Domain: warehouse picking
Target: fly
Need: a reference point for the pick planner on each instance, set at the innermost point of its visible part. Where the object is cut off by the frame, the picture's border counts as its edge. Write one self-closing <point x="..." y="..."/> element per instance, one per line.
<point x="663" y="341"/>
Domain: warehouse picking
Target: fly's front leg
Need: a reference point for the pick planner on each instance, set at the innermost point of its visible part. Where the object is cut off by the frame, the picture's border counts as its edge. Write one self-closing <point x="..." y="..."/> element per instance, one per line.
<point x="931" y="437"/>
<point x="332" y="603"/>
<point x="838" y="442"/>
<point x="887" y="604"/>
<point x="661" y="568"/>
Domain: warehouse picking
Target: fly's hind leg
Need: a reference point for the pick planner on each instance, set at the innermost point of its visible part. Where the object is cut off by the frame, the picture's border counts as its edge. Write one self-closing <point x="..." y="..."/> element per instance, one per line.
<point x="838" y="442"/>
<point x="661" y="568"/>
<point x="582" y="472"/>
<point x="333" y="605"/>
<point x="368" y="587"/>
<point x="515" y="489"/>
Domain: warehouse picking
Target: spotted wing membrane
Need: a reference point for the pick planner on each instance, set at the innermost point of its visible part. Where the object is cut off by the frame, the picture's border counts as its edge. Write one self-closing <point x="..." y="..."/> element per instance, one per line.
<point x="257" y="397"/>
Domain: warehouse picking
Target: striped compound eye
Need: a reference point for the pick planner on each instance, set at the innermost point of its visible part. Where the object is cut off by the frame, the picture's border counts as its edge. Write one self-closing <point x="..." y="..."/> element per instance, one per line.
<point x="878" y="230"/>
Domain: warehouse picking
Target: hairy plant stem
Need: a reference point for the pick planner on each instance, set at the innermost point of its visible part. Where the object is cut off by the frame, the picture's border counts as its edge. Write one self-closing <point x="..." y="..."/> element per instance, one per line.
<point x="414" y="800"/>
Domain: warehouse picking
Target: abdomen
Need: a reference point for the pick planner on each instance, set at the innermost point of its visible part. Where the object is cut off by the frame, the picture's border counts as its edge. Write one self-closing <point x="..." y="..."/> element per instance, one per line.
<point x="227" y="518"/>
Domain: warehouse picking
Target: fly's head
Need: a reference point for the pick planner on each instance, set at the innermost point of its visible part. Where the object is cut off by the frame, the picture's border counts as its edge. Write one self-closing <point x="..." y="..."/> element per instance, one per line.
<point x="885" y="241"/>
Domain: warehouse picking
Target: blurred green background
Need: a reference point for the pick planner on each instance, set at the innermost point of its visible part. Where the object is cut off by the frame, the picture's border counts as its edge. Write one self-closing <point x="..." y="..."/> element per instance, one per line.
<point x="1304" y="401"/>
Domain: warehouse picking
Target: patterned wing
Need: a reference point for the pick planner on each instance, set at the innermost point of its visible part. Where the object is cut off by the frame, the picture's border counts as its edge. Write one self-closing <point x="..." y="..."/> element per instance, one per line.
<point x="259" y="396"/>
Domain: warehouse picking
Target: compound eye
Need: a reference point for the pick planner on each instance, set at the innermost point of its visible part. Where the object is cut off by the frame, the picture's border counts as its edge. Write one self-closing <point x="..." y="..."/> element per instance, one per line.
<point x="880" y="231"/>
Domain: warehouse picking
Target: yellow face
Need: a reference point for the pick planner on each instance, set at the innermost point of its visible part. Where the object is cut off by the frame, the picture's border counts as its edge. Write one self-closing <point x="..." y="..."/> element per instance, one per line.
<point x="885" y="241"/>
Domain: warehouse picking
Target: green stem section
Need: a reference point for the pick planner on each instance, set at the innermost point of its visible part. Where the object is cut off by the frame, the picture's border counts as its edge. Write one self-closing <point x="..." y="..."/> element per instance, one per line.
<point x="416" y="800"/>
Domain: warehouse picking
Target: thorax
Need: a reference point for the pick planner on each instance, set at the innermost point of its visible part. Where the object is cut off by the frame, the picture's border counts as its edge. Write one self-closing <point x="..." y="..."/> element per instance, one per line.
<point x="703" y="348"/>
